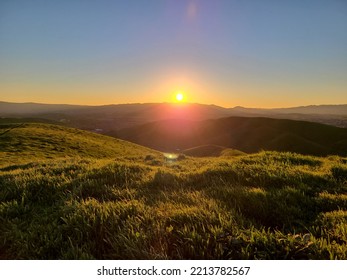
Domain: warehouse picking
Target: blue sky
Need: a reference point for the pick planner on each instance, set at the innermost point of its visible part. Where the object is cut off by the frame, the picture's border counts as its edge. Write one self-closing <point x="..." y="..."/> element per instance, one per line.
<point x="225" y="52"/>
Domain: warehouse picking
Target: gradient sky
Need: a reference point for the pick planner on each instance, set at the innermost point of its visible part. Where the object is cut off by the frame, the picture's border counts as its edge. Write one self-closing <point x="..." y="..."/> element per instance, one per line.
<point x="250" y="53"/>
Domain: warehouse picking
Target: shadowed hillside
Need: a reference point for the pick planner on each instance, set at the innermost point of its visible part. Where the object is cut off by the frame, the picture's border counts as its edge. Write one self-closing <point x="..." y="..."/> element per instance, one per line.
<point x="204" y="151"/>
<point x="246" y="134"/>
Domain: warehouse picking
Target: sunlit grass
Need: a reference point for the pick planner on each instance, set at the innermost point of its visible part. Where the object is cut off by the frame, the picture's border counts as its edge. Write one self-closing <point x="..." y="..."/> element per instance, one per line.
<point x="128" y="202"/>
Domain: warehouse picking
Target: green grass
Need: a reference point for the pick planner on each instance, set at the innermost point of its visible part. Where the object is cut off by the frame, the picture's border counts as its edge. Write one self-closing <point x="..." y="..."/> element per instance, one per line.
<point x="111" y="199"/>
<point x="37" y="141"/>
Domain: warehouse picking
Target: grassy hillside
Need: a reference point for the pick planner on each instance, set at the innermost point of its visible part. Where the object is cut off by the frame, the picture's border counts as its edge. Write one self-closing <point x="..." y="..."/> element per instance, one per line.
<point x="109" y="199"/>
<point x="26" y="142"/>
<point x="246" y="134"/>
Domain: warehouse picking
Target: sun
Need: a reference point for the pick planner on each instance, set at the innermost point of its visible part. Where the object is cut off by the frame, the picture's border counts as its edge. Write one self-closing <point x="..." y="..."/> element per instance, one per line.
<point x="179" y="96"/>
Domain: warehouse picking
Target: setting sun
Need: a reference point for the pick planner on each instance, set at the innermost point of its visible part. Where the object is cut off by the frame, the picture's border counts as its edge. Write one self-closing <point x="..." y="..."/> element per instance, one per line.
<point x="179" y="96"/>
<point x="192" y="129"/>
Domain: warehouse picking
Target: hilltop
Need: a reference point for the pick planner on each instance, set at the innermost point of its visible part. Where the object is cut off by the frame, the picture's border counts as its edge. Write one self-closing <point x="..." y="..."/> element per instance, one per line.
<point x="211" y="151"/>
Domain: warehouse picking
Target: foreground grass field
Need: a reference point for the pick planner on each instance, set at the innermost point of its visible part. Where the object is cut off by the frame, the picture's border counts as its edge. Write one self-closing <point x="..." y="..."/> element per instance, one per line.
<point x="128" y="202"/>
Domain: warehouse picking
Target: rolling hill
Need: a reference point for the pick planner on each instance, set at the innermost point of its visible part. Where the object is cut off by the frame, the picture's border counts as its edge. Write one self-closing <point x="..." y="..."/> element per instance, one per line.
<point x="26" y="141"/>
<point x="71" y="194"/>
<point x="245" y="134"/>
<point x="211" y="151"/>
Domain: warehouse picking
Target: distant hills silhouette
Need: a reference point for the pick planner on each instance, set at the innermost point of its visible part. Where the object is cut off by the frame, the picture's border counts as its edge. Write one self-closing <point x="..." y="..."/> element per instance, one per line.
<point x="201" y="129"/>
<point x="111" y="118"/>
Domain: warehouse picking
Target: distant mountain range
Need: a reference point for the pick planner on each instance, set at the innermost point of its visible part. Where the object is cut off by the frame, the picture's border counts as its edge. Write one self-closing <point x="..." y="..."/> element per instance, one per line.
<point x="201" y="129"/>
<point x="108" y="119"/>
<point x="311" y="109"/>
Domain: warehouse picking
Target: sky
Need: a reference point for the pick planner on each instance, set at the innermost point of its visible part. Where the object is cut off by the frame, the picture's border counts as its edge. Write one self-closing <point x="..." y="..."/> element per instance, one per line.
<point x="230" y="53"/>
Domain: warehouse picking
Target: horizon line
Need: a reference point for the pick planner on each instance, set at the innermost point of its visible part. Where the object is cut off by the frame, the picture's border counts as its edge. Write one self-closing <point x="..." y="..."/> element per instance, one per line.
<point x="171" y="103"/>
